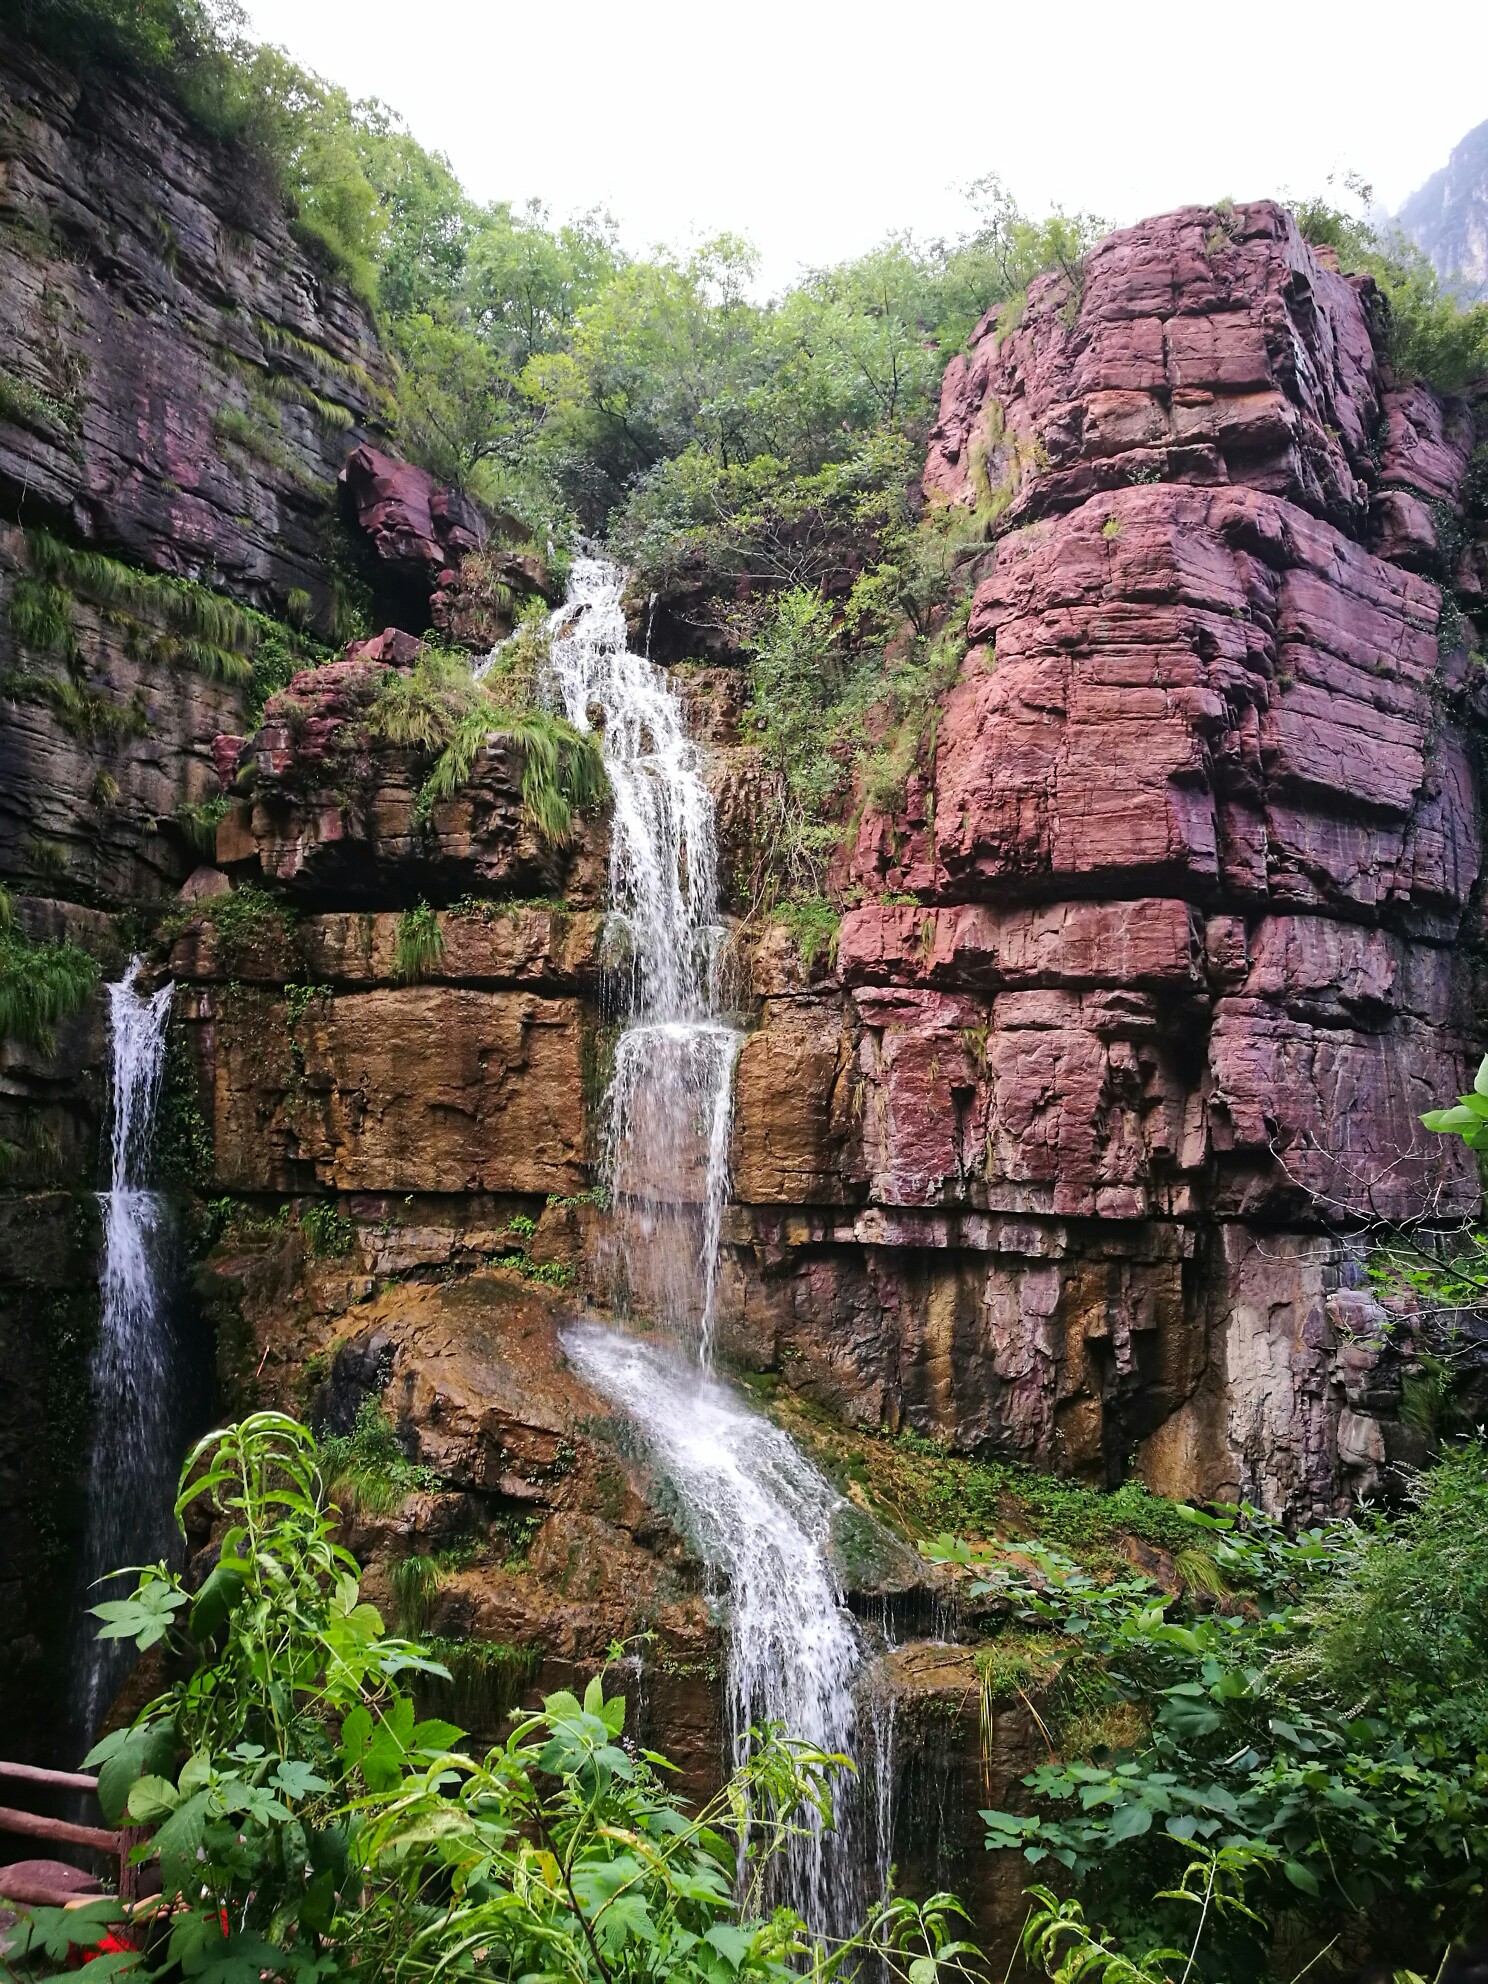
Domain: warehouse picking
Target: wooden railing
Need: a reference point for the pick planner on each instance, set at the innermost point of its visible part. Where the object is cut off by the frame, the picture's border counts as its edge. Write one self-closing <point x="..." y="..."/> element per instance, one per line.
<point x="117" y="1844"/>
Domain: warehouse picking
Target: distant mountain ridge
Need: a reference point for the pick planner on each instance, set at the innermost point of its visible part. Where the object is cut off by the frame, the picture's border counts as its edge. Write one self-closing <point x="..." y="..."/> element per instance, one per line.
<point x="1447" y="218"/>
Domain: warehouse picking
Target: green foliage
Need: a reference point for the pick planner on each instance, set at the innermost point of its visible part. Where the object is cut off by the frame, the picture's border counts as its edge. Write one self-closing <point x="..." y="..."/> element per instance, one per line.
<point x="82" y="710"/>
<point x="174" y="622"/>
<point x="439" y="707"/>
<point x="28" y="406"/>
<point x="1327" y="1727"/>
<point x="308" y="1824"/>
<point x="1405" y="1631"/>
<point x="419" y="944"/>
<point x="331" y="1236"/>
<point x="845" y="697"/>
<point x="243" y="920"/>
<point x="184" y="1152"/>
<point x="814" y="922"/>
<point x="413" y="1582"/>
<point x="40" y="984"/>
<point x="368" y="1467"/>
<point x="1429" y="335"/>
<point x="943" y="1492"/>
<point x="41" y="616"/>
<point x="1469" y="1119"/>
<point x="486" y="1680"/>
<point x="199" y="821"/>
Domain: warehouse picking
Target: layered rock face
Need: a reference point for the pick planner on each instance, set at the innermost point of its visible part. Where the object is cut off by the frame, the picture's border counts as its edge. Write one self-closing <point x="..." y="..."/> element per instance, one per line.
<point x="1155" y="973"/>
<point x="180" y="382"/>
<point x="179" y="385"/>
<point x="1070" y="1155"/>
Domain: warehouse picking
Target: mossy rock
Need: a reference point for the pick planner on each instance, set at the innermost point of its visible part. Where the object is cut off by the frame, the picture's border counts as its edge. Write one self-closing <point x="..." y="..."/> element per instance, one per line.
<point x="870" y="1560"/>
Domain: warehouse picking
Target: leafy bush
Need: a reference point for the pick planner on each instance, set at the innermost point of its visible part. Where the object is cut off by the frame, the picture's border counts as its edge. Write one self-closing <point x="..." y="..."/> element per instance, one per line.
<point x="1324" y="1723"/>
<point x="844" y="698"/>
<point x="244" y="919"/>
<point x="330" y="1234"/>
<point x="309" y="1824"/>
<point x="1429" y="335"/>
<point x="368" y="1468"/>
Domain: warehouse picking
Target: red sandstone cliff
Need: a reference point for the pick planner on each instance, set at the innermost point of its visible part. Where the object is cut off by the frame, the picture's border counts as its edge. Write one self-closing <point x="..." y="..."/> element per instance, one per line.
<point x="1194" y="870"/>
<point x="1146" y="987"/>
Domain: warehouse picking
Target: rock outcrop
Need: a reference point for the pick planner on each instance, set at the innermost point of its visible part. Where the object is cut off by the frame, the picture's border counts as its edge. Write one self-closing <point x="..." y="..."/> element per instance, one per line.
<point x="1152" y="977"/>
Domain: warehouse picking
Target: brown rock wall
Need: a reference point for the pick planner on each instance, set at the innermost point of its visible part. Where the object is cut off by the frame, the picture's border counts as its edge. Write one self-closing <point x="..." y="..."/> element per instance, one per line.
<point x="420" y="1088"/>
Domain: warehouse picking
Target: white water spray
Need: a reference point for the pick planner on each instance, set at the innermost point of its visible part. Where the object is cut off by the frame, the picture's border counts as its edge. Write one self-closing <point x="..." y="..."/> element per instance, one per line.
<point x="132" y="1463"/>
<point x="760" y="1515"/>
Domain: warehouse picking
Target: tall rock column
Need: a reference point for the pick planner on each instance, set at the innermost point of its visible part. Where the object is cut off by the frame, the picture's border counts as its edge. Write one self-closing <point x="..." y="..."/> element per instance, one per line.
<point x="1152" y="977"/>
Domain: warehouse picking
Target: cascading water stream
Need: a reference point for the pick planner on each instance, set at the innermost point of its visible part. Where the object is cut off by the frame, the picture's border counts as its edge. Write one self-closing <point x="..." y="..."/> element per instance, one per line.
<point x="131" y="1469"/>
<point x="759" y="1513"/>
<point x="671" y="1095"/>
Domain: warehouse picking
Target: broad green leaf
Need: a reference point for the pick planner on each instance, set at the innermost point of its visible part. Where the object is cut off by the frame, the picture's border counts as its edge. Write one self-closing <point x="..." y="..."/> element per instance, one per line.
<point x="152" y="1799"/>
<point x="1129" y="1822"/>
<point x="215" y="1601"/>
<point x="732" y="1943"/>
<point x="178" y="1842"/>
<point x="1301" y="1877"/>
<point x="54" y="1931"/>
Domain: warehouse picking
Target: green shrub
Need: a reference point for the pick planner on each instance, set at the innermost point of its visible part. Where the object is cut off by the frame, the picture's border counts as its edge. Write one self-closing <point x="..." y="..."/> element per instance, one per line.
<point x="244" y="919"/>
<point x="41" y="616"/>
<point x="1317" y="1709"/>
<point x="814" y="922"/>
<point x="367" y="1468"/>
<point x="419" y="945"/>
<point x="331" y="1236"/>
<point x="1429" y="334"/>
<point x="307" y="1822"/>
<point x="199" y="821"/>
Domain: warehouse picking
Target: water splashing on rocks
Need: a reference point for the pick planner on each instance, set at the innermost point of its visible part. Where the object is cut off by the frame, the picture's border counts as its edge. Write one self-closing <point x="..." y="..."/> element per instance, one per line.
<point x="760" y="1516"/>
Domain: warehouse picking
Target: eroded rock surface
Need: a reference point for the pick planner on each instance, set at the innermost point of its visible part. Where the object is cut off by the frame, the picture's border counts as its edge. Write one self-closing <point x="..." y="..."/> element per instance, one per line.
<point x="1153" y="974"/>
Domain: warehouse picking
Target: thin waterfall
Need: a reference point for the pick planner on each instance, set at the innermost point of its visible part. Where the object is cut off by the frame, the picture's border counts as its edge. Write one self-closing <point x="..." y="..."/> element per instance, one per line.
<point x="132" y="1465"/>
<point x="759" y="1513"/>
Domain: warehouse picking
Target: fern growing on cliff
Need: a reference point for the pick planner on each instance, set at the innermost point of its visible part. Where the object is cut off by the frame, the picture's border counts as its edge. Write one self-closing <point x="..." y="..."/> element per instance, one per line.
<point x="40" y="984"/>
<point x="438" y="707"/>
<point x="212" y="636"/>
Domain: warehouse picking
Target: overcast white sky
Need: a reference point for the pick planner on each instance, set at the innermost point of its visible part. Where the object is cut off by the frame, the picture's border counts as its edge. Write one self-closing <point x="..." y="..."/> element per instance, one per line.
<point x="815" y="126"/>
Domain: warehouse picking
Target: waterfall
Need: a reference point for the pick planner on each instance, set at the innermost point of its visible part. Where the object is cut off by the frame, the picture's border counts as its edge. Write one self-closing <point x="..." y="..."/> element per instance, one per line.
<point x="758" y="1512"/>
<point x="671" y="1095"/>
<point x="760" y="1515"/>
<point x="132" y="1465"/>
